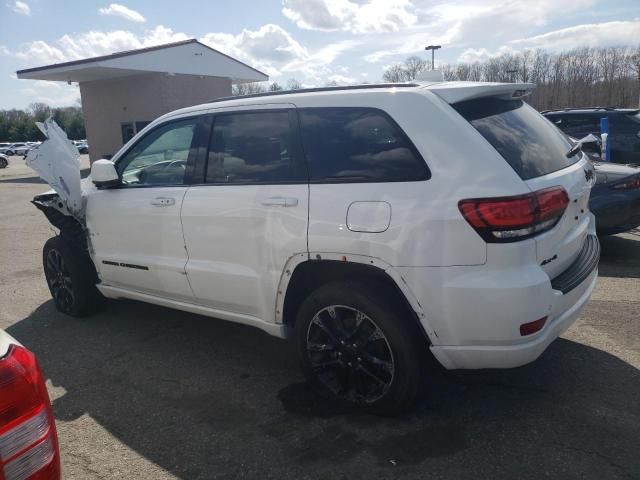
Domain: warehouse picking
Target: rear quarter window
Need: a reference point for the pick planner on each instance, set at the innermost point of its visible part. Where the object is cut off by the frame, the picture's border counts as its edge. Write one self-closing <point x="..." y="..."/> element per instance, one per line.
<point x="353" y="144"/>
<point x="529" y="143"/>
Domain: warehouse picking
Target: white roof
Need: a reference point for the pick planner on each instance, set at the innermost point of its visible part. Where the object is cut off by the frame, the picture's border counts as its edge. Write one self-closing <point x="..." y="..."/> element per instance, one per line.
<point x="188" y="57"/>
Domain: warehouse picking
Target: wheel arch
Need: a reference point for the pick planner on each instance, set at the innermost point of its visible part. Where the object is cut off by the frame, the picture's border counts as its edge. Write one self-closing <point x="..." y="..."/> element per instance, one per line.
<point x="304" y="273"/>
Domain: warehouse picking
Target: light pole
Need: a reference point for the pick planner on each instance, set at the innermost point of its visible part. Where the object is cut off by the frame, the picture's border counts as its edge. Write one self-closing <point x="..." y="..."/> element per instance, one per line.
<point x="433" y="49"/>
<point x="512" y="74"/>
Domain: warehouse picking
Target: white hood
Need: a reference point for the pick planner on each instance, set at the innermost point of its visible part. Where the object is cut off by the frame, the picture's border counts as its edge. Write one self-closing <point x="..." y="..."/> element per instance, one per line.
<point x="57" y="162"/>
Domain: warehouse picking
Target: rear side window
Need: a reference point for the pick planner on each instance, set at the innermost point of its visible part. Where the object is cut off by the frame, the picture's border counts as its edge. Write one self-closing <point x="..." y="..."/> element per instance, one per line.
<point x="353" y="144"/>
<point x="249" y="148"/>
<point x="525" y="139"/>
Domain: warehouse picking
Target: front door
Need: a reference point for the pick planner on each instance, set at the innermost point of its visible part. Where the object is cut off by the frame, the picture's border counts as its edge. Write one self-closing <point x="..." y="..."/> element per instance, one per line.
<point x="249" y="214"/>
<point x="135" y="228"/>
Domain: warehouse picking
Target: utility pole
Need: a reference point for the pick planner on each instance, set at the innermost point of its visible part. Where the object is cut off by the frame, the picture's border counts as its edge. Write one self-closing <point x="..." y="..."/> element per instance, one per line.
<point x="433" y="49"/>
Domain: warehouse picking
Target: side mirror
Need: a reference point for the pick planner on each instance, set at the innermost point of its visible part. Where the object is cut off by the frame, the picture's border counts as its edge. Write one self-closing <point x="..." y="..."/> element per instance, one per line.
<point x="103" y="173"/>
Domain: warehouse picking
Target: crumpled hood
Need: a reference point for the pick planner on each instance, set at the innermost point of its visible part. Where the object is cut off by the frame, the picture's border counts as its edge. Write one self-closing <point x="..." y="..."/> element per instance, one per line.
<point x="57" y="162"/>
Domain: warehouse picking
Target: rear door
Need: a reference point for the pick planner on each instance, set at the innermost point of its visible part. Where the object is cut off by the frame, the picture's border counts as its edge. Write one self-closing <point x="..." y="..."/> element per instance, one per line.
<point x="248" y="213"/>
<point x="537" y="151"/>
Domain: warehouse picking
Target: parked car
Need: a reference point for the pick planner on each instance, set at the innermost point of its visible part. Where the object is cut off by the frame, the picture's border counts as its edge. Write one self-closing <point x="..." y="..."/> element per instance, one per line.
<point x="615" y="199"/>
<point x="4" y="147"/>
<point x="82" y="146"/>
<point x="4" y="161"/>
<point x="364" y="223"/>
<point x="16" y="149"/>
<point x="624" y="128"/>
<point x="28" y="439"/>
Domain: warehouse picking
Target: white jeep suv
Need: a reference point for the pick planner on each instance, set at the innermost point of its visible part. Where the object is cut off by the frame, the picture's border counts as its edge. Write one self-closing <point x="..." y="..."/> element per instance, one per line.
<point x="366" y="223"/>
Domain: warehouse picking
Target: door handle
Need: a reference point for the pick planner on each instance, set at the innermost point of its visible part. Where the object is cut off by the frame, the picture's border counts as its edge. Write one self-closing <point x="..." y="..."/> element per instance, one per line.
<point x="163" y="201"/>
<point x="280" y="201"/>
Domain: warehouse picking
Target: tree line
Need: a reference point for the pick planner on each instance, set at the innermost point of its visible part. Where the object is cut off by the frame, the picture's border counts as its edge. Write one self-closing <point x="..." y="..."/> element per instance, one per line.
<point x="19" y="125"/>
<point x="580" y="77"/>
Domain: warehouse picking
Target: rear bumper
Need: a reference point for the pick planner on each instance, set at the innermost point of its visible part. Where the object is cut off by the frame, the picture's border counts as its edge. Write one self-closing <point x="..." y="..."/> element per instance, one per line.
<point x="474" y="315"/>
<point x="569" y="307"/>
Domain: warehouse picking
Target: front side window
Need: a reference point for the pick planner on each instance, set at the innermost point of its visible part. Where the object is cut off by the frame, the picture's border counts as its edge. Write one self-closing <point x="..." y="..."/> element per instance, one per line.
<point x="160" y="157"/>
<point x="252" y="147"/>
<point x="354" y="144"/>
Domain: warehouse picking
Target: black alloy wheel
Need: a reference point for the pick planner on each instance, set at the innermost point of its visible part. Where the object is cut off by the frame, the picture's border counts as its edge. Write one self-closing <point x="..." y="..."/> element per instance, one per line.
<point x="349" y="354"/>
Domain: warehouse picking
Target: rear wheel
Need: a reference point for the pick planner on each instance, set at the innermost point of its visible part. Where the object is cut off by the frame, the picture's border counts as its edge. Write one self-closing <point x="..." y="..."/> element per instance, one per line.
<point x="71" y="278"/>
<point x="3" y="162"/>
<point x="354" y="346"/>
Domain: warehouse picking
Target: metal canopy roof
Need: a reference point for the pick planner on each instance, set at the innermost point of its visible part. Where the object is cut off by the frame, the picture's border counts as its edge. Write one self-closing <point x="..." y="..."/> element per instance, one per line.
<point x="188" y="57"/>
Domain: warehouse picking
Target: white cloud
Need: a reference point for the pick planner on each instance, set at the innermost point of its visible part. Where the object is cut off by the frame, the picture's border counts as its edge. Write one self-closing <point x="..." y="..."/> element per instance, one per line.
<point x="267" y="48"/>
<point x="471" y="55"/>
<point x="54" y="94"/>
<point x="274" y="51"/>
<point x="588" y="35"/>
<point x="117" y="10"/>
<point x="368" y="17"/>
<point x="22" y="8"/>
<point x="270" y="48"/>
<point x="341" y="79"/>
<point x="469" y="24"/>
<point x="91" y="44"/>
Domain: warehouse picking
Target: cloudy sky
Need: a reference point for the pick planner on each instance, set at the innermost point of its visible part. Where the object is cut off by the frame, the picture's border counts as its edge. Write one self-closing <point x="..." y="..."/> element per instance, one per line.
<point x="314" y="41"/>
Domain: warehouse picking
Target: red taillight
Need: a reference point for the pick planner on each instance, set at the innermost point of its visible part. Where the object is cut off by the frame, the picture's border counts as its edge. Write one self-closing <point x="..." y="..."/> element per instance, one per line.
<point x="509" y="219"/>
<point x="532" y="327"/>
<point x="631" y="184"/>
<point x="28" y="440"/>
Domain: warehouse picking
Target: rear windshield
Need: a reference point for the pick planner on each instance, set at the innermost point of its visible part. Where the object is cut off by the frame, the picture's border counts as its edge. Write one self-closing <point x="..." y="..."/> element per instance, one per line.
<point x="525" y="139"/>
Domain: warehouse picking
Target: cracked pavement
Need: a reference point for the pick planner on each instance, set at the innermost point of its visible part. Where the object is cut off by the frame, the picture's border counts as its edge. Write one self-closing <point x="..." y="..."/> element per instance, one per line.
<point x="145" y="392"/>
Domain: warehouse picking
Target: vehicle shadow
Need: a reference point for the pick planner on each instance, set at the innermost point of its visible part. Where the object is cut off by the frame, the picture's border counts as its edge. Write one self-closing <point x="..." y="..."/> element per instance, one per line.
<point x="203" y="398"/>
<point x="620" y="255"/>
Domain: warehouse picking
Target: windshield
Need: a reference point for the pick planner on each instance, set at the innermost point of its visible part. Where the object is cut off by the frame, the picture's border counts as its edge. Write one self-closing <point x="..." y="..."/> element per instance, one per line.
<point x="531" y="144"/>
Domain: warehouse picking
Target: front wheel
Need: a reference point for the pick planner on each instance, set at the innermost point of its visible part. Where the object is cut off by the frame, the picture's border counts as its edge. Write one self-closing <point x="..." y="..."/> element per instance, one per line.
<point x="355" y="346"/>
<point x="71" y="278"/>
<point x="3" y="162"/>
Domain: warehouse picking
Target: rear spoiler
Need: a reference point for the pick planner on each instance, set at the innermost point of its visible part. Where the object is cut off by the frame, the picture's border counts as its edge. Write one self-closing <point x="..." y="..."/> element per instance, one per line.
<point x="453" y="92"/>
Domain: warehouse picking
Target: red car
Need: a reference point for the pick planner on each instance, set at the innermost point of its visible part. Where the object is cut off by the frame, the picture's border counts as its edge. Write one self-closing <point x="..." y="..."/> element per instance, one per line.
<point x="28" y="439"/>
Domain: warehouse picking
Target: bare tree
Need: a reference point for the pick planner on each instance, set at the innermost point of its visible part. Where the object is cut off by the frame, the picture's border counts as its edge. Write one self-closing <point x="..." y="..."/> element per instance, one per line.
<point x="414" y="66"/>
<point x="395" y="74"/>
<point x="248" y="88"/>
<point x="575" y="78"/>
<point x="293" y="84"/>
<point x="275" y="87"/>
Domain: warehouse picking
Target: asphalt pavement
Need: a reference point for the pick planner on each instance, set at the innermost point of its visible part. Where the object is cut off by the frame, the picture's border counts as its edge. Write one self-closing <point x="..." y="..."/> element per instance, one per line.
<point x="144" y="392"/>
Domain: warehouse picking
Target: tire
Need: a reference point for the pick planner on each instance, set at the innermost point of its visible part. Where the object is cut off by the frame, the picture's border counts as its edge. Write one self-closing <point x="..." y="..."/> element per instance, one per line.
<point x="9" y="153"/>
<point x="3" y="163"/>
<point x="71" y="278"/>
<point x="355" y="346"/>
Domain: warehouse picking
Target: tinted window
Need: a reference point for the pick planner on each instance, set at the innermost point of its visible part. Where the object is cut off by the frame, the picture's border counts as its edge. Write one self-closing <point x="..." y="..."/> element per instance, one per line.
<point x="358" y="144"/>
<point x="525" y="139"/>
<point x="577" y="125"/>
<point x="252" y="148"/>
<point x="160" y="157"/>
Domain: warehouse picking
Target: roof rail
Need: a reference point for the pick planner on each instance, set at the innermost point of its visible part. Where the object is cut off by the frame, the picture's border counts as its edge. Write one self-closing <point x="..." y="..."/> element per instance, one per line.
<point x="316" y="89"/>
<point x="569" y="109"/>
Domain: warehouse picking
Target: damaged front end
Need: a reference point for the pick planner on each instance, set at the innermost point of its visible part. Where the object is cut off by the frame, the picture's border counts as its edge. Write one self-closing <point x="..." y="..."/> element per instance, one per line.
<point x="57" y="162"/>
